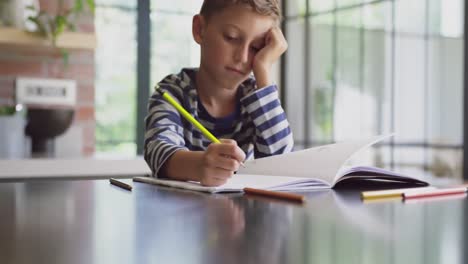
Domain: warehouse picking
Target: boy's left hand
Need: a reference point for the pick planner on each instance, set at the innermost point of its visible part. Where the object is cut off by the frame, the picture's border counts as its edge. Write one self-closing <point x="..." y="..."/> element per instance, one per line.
<point x="275" y="45"/>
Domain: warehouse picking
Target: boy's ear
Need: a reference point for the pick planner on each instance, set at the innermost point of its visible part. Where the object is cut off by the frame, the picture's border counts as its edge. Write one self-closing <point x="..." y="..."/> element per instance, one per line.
<point x="198" y="28"/>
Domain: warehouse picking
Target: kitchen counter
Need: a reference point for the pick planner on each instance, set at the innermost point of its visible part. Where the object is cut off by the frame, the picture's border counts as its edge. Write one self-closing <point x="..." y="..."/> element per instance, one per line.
<point x="73" y="168"/>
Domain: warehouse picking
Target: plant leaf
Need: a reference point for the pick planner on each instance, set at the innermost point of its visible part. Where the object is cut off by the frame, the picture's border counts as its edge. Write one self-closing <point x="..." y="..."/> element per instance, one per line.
<point x="52" y="33"/>
<point x="78" y="6"/>
<point x="40" y="26"/>
<point x="7" y="110"/>
<point x="60" y="23"/>
<point x="91" y="5"/>
<point x="65" y="57"/>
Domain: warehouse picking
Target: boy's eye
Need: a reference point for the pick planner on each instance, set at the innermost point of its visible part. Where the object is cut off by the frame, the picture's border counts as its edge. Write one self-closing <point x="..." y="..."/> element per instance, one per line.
<point x="230" y="38"/>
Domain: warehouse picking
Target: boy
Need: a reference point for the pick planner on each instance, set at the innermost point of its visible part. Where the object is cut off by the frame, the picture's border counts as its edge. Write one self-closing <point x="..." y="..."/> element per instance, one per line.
<point x="236" y="37"/>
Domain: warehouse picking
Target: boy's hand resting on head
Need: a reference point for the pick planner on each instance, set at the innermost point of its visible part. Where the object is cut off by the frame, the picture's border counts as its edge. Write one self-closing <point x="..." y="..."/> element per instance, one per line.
<point x="220" y="161"/>
<point x="275" y="45"/>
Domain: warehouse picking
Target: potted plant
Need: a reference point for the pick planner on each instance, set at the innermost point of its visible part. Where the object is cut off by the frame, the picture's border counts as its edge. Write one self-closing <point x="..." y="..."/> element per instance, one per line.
<point x="51" y="26"/>
<point x="6" y="110"/>
<point x="14" y="13"/>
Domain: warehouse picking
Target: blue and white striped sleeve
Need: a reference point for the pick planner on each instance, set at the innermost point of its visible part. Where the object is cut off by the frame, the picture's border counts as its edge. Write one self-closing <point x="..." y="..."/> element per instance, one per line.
<point x="273" y="135"/>
<point x="164" y="132"/>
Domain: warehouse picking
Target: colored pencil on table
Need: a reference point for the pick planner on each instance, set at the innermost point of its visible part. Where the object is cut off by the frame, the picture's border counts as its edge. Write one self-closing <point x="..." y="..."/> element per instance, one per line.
<point x="432" y="193"/>
<point x="120" y="184"/>
<point x="390" y="193"/>
<point x="275" y="194"/>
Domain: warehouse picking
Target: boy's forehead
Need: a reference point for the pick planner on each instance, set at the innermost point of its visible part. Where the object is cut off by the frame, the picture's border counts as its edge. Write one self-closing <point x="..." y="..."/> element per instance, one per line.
<point x="253" y="32"/>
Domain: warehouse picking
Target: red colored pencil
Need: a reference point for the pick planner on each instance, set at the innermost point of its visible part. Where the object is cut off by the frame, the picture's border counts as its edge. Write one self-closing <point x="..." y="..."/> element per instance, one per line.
<point x="431" y="193"/>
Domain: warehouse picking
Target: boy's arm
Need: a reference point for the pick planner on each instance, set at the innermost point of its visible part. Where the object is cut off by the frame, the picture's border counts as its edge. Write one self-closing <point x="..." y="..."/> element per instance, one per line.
<point x="163" y="135"/>
<point x="272" y="132"/>
<point x="167" y="156"/>
<point x="275" y="46"/>
<point x="192" y="163"/>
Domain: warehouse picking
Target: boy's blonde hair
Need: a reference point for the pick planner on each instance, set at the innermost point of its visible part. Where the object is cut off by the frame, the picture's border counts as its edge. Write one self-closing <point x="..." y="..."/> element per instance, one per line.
<point x="262" y="7"/>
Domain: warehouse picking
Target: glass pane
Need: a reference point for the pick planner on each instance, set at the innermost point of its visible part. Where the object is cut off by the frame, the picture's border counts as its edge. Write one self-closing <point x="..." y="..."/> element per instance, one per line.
<point x="445" y="95"/>
<point x="410" y="16"/>
<point x="383" y="156"/>
<point x="410" y="160"/>
<point x="350" y="102"/>
<point x="295" y="8"/>
<point x="189" y="7"/>
<point x="446" y="18"/>
<point x="344" y="3"/>
<point x="349" y="18"/>
<point x="115" y="80"/>
<point x="446" y="162"/>
<point x="377" y="81"/>
<point x="295" y="79"/>
<point x="320" y="5"/>
<point x="117" y="3"/>
<point x="409" y="107"/>
<point x="172" y="45"/>
<point x="377" y="72"/>
<point x="321" y="79"/>
<point x="377" y="16"/>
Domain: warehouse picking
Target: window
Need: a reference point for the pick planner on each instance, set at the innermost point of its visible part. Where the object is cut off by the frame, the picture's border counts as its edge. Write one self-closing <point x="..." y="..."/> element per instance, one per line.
<point x="116" y="56"/>
<point x="171" y="49"/>
<point x="354" y="68"/>
<point x="358" y="68"/>
<point x="171" y="33"/>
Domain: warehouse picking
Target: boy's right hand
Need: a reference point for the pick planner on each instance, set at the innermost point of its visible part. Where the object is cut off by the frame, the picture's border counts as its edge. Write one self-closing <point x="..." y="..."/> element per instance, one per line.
<point x="220" y="161"/>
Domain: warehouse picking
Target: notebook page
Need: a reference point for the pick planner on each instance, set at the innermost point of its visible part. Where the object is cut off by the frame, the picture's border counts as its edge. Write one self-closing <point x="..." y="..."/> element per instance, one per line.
<point x="194" y="186"/>
<point x="239" y="181"/>
<point x="320" y="163"/>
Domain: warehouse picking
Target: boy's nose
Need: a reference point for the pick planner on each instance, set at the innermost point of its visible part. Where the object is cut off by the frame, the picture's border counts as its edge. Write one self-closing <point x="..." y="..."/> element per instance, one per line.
<point x="242" y="54"/>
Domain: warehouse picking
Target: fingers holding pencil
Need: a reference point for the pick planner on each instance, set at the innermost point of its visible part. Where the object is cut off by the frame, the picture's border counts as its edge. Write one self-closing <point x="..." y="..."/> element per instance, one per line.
<point x="219" y="162"/>
<point x="233" y="151"/>
<point x="224" y="155"/>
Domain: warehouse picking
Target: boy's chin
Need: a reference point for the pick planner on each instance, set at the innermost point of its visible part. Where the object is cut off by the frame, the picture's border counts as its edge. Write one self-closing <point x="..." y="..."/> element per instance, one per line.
<point x="235" y="84"/>
<point x="232" y="83"/>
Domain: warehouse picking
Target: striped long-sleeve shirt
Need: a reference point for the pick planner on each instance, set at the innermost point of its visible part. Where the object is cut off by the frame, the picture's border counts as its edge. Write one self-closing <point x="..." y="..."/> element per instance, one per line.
<point x="258" y="125"/>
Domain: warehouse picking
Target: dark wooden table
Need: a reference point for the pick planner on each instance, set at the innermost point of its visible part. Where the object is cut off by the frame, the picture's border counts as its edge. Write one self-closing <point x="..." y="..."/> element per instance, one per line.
<point x="91" y="221"/>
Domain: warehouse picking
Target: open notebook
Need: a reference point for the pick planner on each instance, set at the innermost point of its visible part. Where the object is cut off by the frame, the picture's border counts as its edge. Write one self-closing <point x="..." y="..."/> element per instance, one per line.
<point x="310" y="169"/>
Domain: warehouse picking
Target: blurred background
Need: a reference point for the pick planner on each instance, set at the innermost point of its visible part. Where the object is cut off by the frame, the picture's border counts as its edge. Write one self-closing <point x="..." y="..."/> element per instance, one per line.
<point x="353" y="69"/>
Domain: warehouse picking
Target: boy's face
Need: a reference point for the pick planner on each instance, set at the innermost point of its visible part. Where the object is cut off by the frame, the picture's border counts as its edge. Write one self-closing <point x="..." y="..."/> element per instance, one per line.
<point x="229" y="41"/>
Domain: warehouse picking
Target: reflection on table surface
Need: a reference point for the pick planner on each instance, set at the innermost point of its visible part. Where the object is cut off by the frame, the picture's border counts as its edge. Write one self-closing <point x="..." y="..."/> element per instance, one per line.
<point x="91" y="221"/>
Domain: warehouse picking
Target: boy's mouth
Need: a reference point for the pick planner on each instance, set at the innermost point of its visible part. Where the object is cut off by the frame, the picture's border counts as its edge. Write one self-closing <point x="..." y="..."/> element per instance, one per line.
<point x="235" y="70"/>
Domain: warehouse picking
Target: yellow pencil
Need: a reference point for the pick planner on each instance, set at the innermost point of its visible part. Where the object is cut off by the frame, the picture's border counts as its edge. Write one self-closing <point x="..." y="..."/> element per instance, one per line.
<point x="190" y="118"/>
<point x="381" y="194"/>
